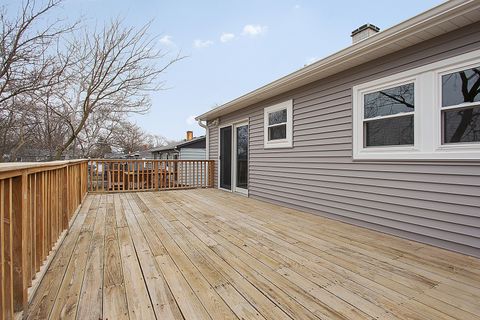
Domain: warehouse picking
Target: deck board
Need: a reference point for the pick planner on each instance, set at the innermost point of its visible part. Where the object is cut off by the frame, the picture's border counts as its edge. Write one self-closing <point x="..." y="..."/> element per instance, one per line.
<point x="207" y="254"/>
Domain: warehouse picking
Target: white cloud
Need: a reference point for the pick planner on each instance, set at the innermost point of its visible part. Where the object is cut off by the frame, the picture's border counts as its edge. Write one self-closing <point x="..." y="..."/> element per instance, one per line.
<point x="225" y="37"/>
<point x="254" y="30"/>
<point x="166" y="40"/>
<point x="202" y="43"/>
<point x="191" y="120"/>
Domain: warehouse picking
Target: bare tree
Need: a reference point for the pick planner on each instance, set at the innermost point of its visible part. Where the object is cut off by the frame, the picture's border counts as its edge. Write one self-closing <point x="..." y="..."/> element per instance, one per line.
<point x="155" y="140"/>
<point x="28" y="64"/>
<point x="130" y="138"/>
<point x="67" y="90"/>
<point x="116" y="69"/>
<point x="26" y="61"/>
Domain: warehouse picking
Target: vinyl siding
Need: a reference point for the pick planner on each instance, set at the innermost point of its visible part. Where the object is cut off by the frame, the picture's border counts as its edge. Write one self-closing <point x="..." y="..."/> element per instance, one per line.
<point x="191" y="154"/>
<point x="432" y="202"/>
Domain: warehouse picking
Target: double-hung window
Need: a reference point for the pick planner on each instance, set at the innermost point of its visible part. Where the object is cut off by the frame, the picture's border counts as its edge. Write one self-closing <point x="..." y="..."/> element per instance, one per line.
<point x="278" y="125"/>
<point x="427" y="113"/>
<point x="461" y="106"/>
<point x="388" y="116"/>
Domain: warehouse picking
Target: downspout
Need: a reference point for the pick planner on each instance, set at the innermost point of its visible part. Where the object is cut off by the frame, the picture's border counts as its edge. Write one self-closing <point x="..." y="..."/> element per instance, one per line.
<point x="207" y="140"/>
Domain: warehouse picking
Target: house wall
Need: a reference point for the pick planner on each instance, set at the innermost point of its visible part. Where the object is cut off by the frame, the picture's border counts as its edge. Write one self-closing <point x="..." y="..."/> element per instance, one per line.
<point x="189" y="174"/>
<point x="192" y="154"/>
<point x="432" y="202"/>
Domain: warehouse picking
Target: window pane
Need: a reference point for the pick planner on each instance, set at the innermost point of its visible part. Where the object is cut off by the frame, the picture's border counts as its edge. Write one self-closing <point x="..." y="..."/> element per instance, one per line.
<point x="460" y="87"/>
<point x="461" y="125"/>
<point x="277" y="117"/>
<point x="242" y="157"/>
<point x="277" y="132"/>
<point x="389" y="132"/>
<point x="389" y="101"/>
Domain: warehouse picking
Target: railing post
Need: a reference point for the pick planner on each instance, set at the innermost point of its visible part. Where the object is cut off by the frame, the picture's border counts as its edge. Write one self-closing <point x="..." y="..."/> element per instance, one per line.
<point x="65" y="199"/>
<point x="155" y="174"/>
<point x="20" y="234"/>
<point x="211" y="167"/>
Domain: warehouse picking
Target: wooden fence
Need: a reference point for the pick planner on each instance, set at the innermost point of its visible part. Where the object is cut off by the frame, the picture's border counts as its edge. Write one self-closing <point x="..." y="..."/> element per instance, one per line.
<point x="37" y="203"/>
<point x="143" y="175"/>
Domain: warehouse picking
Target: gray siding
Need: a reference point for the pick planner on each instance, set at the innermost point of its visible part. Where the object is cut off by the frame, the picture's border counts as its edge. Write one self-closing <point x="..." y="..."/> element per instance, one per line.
<point x="192" y="154"/>
<point x="433" y="202"/>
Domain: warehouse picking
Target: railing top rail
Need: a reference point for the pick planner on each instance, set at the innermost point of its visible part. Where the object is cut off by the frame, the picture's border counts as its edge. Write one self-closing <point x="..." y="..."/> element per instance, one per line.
<point x="150" y="160"/>
<point x="13" y="166"/>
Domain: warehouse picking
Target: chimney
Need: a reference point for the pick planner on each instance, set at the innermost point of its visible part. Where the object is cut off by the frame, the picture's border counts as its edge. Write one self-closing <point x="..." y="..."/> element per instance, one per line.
<point x="364" y="32"/>
<point x="189" y="135"/>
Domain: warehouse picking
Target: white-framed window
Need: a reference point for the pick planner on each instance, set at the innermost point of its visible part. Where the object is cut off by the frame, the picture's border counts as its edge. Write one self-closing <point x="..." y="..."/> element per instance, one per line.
<point x="278" y="127"/>
<point x="427" y="113"/>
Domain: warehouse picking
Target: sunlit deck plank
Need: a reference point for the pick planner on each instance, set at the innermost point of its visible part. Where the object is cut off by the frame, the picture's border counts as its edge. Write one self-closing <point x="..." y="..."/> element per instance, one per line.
<point x="208" y="254"/>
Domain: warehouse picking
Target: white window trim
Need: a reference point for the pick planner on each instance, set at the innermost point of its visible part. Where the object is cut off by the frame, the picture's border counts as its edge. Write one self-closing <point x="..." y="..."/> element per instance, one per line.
<point x="427" y="128"/>
<point x="280" y="143"/>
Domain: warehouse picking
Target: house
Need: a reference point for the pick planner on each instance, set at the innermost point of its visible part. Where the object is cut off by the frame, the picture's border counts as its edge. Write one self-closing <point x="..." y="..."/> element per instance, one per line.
<point x="192" y="148"/>
<point x="383" y="134"/>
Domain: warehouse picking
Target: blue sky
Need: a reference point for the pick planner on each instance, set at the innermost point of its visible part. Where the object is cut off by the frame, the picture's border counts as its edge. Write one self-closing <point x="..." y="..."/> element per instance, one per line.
<point x="262" y="41"/>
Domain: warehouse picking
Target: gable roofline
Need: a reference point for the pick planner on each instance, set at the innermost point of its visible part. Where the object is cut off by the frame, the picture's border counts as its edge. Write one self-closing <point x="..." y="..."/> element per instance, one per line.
<point x="438" y="20"/>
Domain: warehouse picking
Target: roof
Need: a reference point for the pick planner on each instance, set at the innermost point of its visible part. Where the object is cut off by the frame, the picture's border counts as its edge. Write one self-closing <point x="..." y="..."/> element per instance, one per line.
<point x="441" y="19"/>
<point x="178" y="144"/>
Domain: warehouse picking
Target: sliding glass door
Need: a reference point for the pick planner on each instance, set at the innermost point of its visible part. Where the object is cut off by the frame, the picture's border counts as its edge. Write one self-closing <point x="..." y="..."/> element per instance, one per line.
<point x="226" y="158"/>
<point x="233" y="166"/>
<point x="241" y="158"/>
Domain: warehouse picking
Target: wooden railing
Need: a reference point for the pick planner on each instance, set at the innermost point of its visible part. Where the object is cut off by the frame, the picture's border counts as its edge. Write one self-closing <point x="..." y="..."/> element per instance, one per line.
<point x="39" y="200"/>
<point x="143" y="175"/>
<point x="37" y="203"/>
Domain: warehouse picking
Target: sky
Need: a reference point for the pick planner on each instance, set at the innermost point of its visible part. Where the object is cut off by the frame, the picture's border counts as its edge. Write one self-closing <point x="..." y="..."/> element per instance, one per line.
<point x="234" y="47"/>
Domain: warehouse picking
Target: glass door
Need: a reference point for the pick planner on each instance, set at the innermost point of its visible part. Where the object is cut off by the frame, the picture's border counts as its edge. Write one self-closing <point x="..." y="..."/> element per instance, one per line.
<point x="241" y="158"/>
<point x="226" y="158"/>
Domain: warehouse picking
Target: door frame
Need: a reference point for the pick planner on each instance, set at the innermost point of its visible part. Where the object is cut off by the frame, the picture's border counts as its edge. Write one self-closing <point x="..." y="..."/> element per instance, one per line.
<point x="234" y="158"/>
<point x="232" y="124"/>
<point x="218" y="157"/>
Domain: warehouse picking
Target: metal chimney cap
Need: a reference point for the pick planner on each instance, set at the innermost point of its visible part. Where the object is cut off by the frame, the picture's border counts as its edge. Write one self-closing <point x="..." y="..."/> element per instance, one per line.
<point x="365" y="27"/>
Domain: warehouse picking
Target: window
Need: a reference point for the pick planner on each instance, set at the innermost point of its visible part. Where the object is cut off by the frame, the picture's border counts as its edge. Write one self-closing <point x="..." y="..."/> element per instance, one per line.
<point x="461" y="106"/>
<point x="278" y="125"/>
<point x="388" y="116"/>
<point x="428" y="113"/>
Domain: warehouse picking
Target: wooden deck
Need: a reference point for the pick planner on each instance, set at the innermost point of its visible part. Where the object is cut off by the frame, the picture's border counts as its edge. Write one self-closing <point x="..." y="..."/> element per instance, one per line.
<point x="207" y="254"/>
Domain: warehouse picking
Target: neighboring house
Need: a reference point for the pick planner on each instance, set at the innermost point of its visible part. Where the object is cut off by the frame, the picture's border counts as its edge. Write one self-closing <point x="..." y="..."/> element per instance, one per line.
<point x="383" y="134"/>
<point x="189" y="149"/>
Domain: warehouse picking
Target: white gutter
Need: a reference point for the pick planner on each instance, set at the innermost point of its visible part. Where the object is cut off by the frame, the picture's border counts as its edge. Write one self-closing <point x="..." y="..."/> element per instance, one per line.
<point x="355" y="54"/>
<point x="207" y="149"/>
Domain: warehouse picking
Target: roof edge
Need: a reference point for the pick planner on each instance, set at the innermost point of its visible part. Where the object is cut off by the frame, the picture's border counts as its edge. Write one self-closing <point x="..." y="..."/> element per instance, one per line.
<point x="413" y="25"/>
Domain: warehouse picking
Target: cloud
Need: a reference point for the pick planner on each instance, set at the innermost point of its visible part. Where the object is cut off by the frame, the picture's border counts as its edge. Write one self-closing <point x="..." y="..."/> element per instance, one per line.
<point x="254" y="30"/>
<point x="202" y="43"/>
<point x="166" y="40"/>
<point x="225" y="37"/>
<point x="297" y="6"/>
<point x="191" y="120"/>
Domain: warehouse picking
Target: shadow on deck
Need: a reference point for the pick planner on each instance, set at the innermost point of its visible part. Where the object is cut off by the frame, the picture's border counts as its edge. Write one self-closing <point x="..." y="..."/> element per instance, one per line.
<point x="207" y="254"/>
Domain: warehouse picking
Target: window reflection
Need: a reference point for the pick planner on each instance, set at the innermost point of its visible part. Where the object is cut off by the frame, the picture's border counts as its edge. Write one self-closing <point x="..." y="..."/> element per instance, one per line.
<point x="461" y="89"/>
<point x="389" y="101"/>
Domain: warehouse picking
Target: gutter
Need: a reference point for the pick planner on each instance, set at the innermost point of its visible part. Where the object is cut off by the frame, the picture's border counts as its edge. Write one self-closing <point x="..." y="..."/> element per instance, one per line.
<point x="207" y="140"/>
